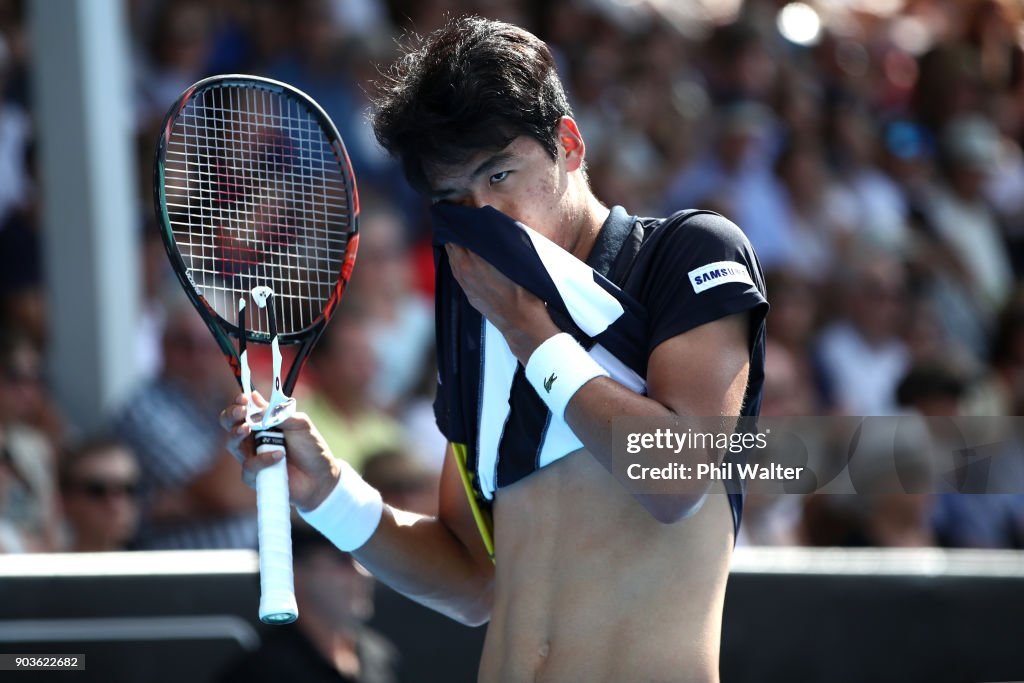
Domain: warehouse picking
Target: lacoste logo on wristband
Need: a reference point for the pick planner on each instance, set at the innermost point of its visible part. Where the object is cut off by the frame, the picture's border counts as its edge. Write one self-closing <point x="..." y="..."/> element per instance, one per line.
<point x="549" y="381"/>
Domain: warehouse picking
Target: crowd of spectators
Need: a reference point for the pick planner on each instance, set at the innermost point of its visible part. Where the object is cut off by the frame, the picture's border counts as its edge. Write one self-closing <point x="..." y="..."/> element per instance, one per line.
<point x="875" y="165"/>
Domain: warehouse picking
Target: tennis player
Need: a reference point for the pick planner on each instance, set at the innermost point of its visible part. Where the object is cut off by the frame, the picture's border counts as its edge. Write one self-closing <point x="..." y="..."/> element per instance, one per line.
<point x="587" y="582"/>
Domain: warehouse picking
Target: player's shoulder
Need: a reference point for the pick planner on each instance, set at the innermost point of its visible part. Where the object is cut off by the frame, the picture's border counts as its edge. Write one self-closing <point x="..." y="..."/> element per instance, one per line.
<point x="693" y="227"/>
<point x="690" y="239"/>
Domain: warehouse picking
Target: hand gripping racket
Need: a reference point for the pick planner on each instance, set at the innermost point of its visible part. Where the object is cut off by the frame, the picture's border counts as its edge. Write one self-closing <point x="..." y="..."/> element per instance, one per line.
<point x="258" y="209"/>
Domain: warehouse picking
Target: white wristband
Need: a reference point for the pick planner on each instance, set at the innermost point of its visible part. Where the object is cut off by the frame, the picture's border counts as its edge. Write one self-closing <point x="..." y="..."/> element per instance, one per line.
<point x="349" y="515"/>
<point x="558" y="368"/>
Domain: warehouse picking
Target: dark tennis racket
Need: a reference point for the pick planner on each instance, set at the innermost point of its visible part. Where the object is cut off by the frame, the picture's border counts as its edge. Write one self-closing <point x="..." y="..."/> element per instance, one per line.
<point x="258" y="209"/>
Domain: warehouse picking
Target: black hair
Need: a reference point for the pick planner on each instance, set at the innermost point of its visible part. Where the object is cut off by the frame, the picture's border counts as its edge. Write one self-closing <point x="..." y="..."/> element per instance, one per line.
<point x="470" y="86"/>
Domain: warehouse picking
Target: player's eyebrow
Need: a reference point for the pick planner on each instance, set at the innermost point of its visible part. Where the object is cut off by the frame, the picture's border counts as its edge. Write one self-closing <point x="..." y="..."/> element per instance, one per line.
<point x="488" y="165"/>
<point x="493" y="162"/>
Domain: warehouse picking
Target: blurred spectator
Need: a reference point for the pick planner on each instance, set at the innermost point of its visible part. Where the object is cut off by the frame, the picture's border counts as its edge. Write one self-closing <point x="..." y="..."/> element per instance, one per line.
<point x="193" y="496"/>
<point x="156" y="279"/>
<point x="775" y="519"/>
<point x="28" y="516"/>
<point x="861" y="353"/>
<point x="892" y="469"/>
<point x="741" y="65"/>
<point x="995" y="518"/>
<point x="174" y="58"/>
<point x="22" y="296"/>
<point x="11" y="539"/>
<point x="878" y="206"/>
<point x="907" y="155"/>
<point x="380" y="175"/>
<point x="969" y="269"/>
<point x="787" y="389"/>
<point x="948" y="86"/>
<point x="15" y="131"/>
<point x="330" y="641"/>
<point x="28" y="439"/>
<point x="1004" y="191"/>
<point x="30" y="508"/>
<point x="961" y="216"/>
<point x="932" y="389"/>
<point x="405" y="482"/>
<point x="24" y="397"/>
<point x="422" y="16"/>
<point x="992" y="34"/>
<point x="734" y="177"/>
<point x="926" y="337"/>
<point x="897" y="520"/>
<point x="14" y="29"/>
<point x="1003" y="385"/>
<point x="342" y="368"/>
<point x="819" y="217"/>
<point x="319" y="61"/>
<point x="99" y="487"/>
<point x="419" y="420"/>
<point x="795" y="312"/>
<point x="399" y="319"/>
<point x="771" y="520"/>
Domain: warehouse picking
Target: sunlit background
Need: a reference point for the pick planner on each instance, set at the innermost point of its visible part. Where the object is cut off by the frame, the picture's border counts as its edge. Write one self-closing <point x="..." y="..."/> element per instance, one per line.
<point x="870" y="149"/>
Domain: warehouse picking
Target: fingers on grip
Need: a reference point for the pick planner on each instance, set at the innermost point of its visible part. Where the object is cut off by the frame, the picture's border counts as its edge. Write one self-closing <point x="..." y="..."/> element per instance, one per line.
<point x="258" y="462"/>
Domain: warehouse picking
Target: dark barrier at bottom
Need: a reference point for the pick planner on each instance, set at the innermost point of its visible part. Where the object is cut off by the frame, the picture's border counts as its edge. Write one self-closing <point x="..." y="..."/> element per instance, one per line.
<point x="791" y="615"/>
<point x="851" y="616"/>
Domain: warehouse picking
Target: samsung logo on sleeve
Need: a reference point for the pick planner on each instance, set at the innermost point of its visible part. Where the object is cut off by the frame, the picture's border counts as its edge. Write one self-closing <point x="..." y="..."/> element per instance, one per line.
<point x="719" y="273"/>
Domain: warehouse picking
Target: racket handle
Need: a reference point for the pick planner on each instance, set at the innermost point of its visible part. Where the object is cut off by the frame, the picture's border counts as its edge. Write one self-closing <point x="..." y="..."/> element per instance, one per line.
<point x="277" y="585"/>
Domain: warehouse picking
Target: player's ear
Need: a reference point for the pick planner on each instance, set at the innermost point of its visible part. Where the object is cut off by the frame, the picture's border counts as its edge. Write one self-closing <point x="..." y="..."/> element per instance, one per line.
<point x="571" y="144"/>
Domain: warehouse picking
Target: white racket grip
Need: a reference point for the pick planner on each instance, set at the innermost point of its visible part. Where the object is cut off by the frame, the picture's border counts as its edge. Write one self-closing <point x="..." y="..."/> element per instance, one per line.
<point x="277" y="584"/>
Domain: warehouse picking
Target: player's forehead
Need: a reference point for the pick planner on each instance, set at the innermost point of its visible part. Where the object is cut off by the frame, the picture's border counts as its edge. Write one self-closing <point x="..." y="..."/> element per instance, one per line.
<point x="445" y="176"/>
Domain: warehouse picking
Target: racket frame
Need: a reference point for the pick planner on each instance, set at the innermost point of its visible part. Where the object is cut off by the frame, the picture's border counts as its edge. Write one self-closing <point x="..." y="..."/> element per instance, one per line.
<point x="223" y="330"/>
<point x="277" y="602"/>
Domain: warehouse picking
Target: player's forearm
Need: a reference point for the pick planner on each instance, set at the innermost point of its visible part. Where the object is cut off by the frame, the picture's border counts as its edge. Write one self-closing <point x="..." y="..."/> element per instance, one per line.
<point x="421" y="557"/>
<point x="590" y="414"/>
<point x="702" y="372"/>
<point x="592" y="408"/>
<point x="590" y="411"/>
<point x="424" y="560"/>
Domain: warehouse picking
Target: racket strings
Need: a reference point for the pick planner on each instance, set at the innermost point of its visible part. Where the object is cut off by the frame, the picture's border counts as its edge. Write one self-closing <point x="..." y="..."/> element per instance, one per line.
<point x="256" y="196"/>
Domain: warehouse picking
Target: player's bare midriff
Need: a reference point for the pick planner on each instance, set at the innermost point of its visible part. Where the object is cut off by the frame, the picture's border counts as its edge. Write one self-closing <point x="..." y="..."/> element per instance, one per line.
<point x="589" y="587"/>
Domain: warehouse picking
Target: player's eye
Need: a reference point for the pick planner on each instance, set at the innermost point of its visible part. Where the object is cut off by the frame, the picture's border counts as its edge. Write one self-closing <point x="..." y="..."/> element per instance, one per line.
<point x="499" y="177"/>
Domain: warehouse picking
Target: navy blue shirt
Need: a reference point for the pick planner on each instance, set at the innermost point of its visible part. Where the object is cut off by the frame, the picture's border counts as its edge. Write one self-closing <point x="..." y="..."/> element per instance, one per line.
<point x="684" y="271"/>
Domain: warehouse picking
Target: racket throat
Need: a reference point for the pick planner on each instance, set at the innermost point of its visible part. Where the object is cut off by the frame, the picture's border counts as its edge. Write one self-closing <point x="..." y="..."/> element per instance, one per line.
<point x="280" y="406"/>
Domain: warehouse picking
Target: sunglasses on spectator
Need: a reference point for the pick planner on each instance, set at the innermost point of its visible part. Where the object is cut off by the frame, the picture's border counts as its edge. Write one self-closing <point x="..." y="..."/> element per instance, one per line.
<point x="95" y="488"/>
